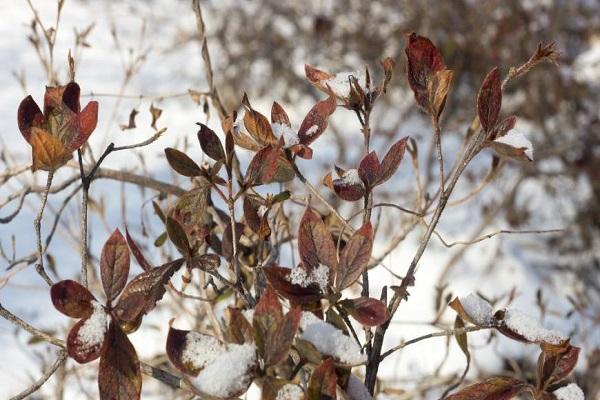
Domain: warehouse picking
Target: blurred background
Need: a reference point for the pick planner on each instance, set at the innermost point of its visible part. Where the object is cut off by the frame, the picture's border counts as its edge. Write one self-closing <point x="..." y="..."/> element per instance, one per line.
<point x="131" y="55"/>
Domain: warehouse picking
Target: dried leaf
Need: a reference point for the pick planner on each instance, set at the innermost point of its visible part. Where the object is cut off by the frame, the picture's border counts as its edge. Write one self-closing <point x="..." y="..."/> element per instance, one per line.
<point x="239" y="329"/>
<point x="114" y="265"/>
<point x="437" y="88"/>
<point x="48" y="153"/>
<point x="489" y="100"/>
<point x="278" y="277"/>
<point x="281" y="337"/>
<point x="279" y="116"/>
<point x="178" y="237"/>
<point x="323" y="382"/>
<point x="259" y="127"/>
<point x="391" y="161"/>
<point x="315" y="122"/>
<point x="369" y="169"/>
<point x="155" y="112"/>
<point x="315" y="243"/>
<point x="423" y="60"/>
<point x="263" y="166"/>
<point x="491" y="389"/>
<point x="131" y="122"/>
<point x="355" y="257"/>
<point x="555" y="364"/>
<point x="83" y="346"/>
<point x="137" y="253"/>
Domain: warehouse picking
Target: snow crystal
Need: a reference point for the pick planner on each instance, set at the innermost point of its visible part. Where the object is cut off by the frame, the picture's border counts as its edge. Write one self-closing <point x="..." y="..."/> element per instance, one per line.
<point x="351" y="178"/>
<point x="290" y="137"/>
<point x="93" y="330"/>
<point x="290" y="391"/>
<point x="569" y="392"/>
<point x="262" y="210"/>
<point x="479" y="310"/>
<point x="530" y="328"/>
<point x="517" y="140"/>
<point x="340" y="83"/>
<point x="329" y="340"/>
<point x="356" y="389"/>
<point x="312" y="130"/>
<point x="201" y="350"/>
<point x="319" y="275"/>
<point x="228" y="374"/>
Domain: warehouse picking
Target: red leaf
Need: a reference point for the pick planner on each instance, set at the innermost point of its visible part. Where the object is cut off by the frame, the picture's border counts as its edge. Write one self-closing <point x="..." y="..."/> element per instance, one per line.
<point x="210" y="143"/>
<point x="278" y="277"/>
<point x="114" y="265"/>
<point x="367" y="311"/>
<point x="316" y="76"/>
<point x="268" y="305"/>
<point x="491" y="389"/>
<point x="28" y="115"/>
<point x="315" y="243"/>
<point x="315" y="122"/>
<point x="489" y="100"/>
<point x="119" y="376"/>
<point x="323" y="382"/>
<point x="555" y="364"/>
<point x="72" y="299"/>
<point x="279" y="116"/>
<point x="143" y="292"/>
<point x="137" y="253"/>
<point x="88" y="119"/>
<point x="263" y="166"/>
<point x="347" y="187"/>
<point x="392" y="160"/>
<point x="355" y="257"/>
<point x="424" y="59"/>
<point x="369" y="169"/>
<point x="87" y="338"/>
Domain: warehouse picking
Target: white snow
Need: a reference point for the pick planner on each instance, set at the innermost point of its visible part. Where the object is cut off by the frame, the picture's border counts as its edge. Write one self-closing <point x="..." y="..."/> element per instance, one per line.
<point x="262" y="210"/>
<point x="351" y="178"/>
<point x="340" y="83"/>
<point x="569" y="392"/>
<point x="356" y="389"/>
<point x="289" y="391"/>
<point x="530" y="328"/>
<point x="290" y="137"/>
<point x="516" y="139"/>
<point x="228" y="374"/>
<point x="312" y="130"/>
<point x="93" y="330"/>
<point x="201" y="350"/>
<point x="329" y="340"/>
<point x="319" y="275"/>
<point x="479" y="310"/>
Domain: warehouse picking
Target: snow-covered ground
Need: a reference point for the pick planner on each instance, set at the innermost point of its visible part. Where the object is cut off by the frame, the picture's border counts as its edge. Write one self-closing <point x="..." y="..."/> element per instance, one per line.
<point x="100" y="72"/>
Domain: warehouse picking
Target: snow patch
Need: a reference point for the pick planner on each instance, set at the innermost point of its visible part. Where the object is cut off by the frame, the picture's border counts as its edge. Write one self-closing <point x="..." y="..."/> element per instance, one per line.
<point x="340" y="83"/>
<point x="351" y="178"/>
<point x="312" y="130"/>
<point x="93" y="330"/>
<point x="319" y="275"/>
<point x="479" y="310"/>
<point x="329" y="340"/>
<point x="517" y="140"/>
<point x="569" y="392"/>
<point x="356" y="389"/>
<point x="530" y="328"/>
<point x="290" y="391"/>
<point x="228" y="374"/>
<point x="201" y="350"/>
<point x="290" y="138"/>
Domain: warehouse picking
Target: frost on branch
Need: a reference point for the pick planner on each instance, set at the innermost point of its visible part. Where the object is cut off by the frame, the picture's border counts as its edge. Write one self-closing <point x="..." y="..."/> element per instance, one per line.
<point x="329" y="340"/>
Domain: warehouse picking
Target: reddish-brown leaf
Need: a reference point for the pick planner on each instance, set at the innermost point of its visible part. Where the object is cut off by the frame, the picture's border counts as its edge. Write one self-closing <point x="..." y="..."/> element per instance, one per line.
<point x="88" y="119"/>
<point x="423" y="60"/>
<point x="137" y="253"/>
<point x="315" y="122"/>
<point x="28" y="115"/>
<point x="176" y="341"/>
<point x="280" y="339"/>
<point x="87" y="340"/>
<point x="239" y="329"/>
<point x="181" y="163"/>
<point x="178" y="237"/>
<point x="143" y="292"/>
<point x="369" y="169"/>
<point x="437" y="89"/>
<point x="391" y="161"/>
<point x="47" y="151"/>
<point x="556" y="364"/>
<point x="489" y="100"/>
<point x="316" y="76"/>
<point x="355" y="257"/>
<point x="119" y="376"/>
<point x="210" y="143"/>
<point x="279" y="116"/>
<point x="346" y="189"/>
<point x="366" y="310"/>
<point x="267" y="315"/>
<point x="315" y="243"/>
<point x="503" y="127"/>
<point x="259" y="127"/>
<point x="278" y="277"/>
<point x="491" y="389"/>
<point x="114" y="265"/>
<point x="263" y="166"/>
<point x="323" y="381"/>
<point x="72" y="299"/>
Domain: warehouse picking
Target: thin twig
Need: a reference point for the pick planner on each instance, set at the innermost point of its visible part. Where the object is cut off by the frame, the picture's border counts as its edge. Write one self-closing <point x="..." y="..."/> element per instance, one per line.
<point x="37" y="224"/>
<point x="62" y="356"/>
